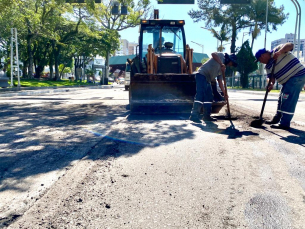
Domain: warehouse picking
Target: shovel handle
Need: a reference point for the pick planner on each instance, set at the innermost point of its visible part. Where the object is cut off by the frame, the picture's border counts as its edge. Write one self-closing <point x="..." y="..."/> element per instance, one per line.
<point x="264" y="103"/>
<point x="266" y="94"/>
<point x="226" y="91"/>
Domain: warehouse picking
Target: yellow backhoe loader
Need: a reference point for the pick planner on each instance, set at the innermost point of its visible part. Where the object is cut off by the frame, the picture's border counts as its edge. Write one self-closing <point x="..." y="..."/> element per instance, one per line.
<point x="162" y="78"/>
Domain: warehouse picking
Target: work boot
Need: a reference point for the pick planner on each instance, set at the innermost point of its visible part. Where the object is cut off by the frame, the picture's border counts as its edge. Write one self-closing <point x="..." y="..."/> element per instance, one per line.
<point x="208" y="118"/>
<point x="280" y="126"/>
<point x="276" y="119"/>
<point x="195" y="119"/>
<point x="195" y="112"/>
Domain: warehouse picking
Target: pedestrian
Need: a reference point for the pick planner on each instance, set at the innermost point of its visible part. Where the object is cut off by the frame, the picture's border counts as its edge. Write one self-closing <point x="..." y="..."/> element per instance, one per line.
<point x="207" y="73"/>
<point x="288" y="72"/>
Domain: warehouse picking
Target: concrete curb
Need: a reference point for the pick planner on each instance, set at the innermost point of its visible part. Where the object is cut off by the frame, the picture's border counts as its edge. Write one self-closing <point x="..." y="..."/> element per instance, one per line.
<point x="7" y="92"/>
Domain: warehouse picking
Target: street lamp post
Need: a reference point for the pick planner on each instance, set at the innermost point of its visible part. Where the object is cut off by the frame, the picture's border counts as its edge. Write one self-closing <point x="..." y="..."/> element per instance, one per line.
<point x="266" y="25"/>
<point x="202" y="46"/>
<point x="242" y="41"/>
<point x="263" y="73"/>
<point x="296" y="3"/>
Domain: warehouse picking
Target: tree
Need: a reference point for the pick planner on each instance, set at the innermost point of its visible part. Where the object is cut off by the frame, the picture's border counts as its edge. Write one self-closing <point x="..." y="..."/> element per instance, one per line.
<point x="257" y="15"/>
<point x="255" y="33"/>
<point x="136" y="11"/>
<point x="64" y="69"/>
<point x="238" y="17"/>
<point x="222" y="35"/>
<point x="246" y="64"/>
<point x="52" y="32"/>
<point x="204" y="60"/>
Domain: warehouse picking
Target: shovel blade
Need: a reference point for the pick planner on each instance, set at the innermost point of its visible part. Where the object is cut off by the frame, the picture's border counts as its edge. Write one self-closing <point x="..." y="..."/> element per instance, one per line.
<point x="257" y="123"/>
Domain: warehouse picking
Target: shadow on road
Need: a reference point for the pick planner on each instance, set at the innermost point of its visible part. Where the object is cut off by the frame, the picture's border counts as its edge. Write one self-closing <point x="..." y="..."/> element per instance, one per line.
<point x="298" y="136"/>
<point x="230" y="131"/>
<point x="37" y="139"/>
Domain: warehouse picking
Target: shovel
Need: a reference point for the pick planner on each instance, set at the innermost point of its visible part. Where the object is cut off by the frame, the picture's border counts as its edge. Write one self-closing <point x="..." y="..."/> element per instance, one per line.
<point x="259" y="122"/>
<point x="228" y="106"/>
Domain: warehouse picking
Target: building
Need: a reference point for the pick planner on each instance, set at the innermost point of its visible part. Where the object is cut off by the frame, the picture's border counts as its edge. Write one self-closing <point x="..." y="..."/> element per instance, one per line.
<point x="289" y="37"/>
<point x="132" y="48"/>
<point x="123" y="51"/>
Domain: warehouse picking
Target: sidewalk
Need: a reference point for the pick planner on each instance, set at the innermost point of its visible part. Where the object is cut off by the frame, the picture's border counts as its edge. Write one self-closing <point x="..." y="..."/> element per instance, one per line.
<point x="7" y="92"/>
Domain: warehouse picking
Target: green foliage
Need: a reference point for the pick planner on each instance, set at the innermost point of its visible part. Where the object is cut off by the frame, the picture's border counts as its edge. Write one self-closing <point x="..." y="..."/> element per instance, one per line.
<point x="64" y="69"/>
<point x="114" y="23"/>
<point x="222" y="35"/>
<point x="246" y="64"/>
<point x="136" y="10"/>
<point x="238" y="17"/>
<point x="47" y="83"/>
<point x="52" y="32"/>
<point x="204" y="60"/>
<point x="89" y="72"/>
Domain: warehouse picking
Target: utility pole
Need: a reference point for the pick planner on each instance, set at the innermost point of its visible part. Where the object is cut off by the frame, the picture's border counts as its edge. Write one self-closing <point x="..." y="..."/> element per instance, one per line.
<point x="244" y="33"/>
<point x="263" y="73"/>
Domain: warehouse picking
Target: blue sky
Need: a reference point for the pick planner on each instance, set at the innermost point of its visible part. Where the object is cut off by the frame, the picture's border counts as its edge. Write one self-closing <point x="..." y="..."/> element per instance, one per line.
<point x="201" y="36"/>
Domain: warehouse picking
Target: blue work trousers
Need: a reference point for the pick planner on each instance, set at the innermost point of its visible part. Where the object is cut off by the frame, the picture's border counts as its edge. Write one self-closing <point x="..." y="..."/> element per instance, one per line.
<point x="203" y="97"/>
<point x="288" y="98"/>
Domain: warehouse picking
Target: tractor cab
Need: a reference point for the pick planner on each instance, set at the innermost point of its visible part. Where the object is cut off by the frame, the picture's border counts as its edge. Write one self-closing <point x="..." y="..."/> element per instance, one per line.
<point x="167" y="39"/>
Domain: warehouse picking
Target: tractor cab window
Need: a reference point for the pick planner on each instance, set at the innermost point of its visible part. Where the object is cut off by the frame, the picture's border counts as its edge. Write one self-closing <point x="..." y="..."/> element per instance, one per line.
<point x="163" y="39"/>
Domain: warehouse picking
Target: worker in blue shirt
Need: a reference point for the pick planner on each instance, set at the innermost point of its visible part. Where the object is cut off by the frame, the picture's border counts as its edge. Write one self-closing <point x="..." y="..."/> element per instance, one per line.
<point x="288" y="72"/>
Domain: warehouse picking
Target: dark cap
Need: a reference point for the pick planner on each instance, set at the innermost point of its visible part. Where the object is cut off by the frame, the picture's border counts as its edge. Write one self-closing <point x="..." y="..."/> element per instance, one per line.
<point x="259" y="53"/>
<point x="233" y="59"/>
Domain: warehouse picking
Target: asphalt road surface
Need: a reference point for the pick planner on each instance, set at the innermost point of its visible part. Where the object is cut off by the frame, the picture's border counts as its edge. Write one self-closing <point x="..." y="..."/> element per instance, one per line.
<point x="78" y="159"/>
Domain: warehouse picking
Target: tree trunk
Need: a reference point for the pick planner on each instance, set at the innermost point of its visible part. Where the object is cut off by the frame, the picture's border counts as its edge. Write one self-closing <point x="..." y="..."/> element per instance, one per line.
<point x="106" y="75"/>
<point x="244" y="80"/>
<point x="24" y="69"/>
<point x="38" y="71"/>
<point x="56" y="52"/>
<point x="252" y="42"/>
<point x="51" y="67"/>
<point x="56" y="60"/>
<point x="234" y="34"/>
<point x="78" y="68"/>
<point x="62" y="72"/>
<point x="52" y="57"/>
<point x="30" y="55"/>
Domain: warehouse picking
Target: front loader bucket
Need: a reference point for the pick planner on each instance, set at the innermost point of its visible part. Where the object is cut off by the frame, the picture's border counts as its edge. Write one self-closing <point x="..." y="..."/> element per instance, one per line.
<point x="163" y="93"/>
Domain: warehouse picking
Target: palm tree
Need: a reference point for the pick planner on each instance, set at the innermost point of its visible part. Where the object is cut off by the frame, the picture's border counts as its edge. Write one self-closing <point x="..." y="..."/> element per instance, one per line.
<point x="222" y="35"/>
<point x="255" y="33"/>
